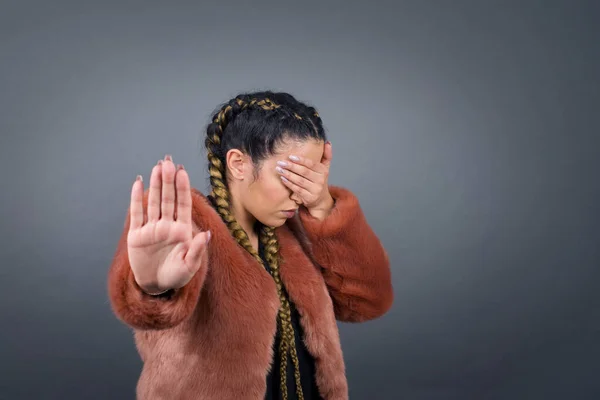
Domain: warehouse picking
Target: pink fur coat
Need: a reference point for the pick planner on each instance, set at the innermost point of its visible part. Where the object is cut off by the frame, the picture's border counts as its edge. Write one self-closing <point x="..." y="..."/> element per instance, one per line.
<point x="213" y="338"/>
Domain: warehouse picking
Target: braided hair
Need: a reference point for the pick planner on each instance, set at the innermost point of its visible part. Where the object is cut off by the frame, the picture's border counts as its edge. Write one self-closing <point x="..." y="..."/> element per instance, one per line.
<point x="256" y="123"/>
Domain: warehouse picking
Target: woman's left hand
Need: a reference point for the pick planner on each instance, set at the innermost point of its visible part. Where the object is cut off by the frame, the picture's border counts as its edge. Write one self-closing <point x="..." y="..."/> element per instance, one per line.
<point x="309" y="181"/>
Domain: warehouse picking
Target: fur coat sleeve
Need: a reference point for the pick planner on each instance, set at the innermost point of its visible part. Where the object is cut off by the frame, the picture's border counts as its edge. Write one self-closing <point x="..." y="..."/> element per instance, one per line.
<point x="140" y="310"/>
<point x="354" y="263"/>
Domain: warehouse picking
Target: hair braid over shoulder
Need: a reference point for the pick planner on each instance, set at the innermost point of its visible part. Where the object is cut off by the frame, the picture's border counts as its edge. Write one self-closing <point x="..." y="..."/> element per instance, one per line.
<point x="221" y="197"/>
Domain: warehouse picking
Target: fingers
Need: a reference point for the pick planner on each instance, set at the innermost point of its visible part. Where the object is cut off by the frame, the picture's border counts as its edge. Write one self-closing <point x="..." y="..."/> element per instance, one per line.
<point x="154" y="193"/>
<point x="169" y="186"/>
<point x="136" y="207"/>
<point x="197" y="250"/>
<point x="167" y="206"/>
<point x="298" y="179"/>
<point x="301" y="191"/>
<point x="284" y="167"/>
<point x="184" y="196"/>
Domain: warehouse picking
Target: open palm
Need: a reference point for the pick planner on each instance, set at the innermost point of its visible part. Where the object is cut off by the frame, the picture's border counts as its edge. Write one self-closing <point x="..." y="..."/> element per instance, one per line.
<point x="163" y="251"/>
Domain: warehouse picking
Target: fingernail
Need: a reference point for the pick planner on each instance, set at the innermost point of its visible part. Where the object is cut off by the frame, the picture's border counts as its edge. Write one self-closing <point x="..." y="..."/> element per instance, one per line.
<point x="282" y="163"/>
<point x="329" y="142"/>
<point x="168" y="157"/>
<point x="208" y="236"/>
<point x="180" y="166"/>
<point x="139" y="178"/>
<point x="160" y="162"/>
<point x="279" y="169"/>
<point x="294" y="158"/>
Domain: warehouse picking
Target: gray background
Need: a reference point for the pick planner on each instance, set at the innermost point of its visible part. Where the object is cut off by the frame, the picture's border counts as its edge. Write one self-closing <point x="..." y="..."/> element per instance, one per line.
<point x="468" y="130"/>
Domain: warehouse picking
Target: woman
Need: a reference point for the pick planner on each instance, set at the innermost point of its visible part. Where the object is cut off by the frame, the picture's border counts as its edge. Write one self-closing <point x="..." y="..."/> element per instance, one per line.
<point x="235" y="295"/>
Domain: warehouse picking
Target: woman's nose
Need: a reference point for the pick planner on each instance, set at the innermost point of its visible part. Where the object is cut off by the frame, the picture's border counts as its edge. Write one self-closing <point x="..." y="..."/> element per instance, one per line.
<point x="295" y="198"/>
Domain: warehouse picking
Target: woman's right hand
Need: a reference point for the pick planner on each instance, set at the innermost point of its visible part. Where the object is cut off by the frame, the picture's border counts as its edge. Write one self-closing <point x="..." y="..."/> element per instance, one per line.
<point x="163" y="251"/>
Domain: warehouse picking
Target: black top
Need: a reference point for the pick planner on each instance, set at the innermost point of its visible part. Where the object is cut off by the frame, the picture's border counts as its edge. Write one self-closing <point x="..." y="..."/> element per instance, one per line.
<point x="305" y="360"/>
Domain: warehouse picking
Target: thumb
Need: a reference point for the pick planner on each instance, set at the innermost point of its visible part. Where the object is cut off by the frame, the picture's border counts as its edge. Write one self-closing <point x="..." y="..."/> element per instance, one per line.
<point x="196" y="250"/>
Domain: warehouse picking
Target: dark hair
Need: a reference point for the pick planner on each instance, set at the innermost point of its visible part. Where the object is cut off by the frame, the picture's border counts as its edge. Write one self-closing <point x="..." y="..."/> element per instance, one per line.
<point x="256" y="123"/>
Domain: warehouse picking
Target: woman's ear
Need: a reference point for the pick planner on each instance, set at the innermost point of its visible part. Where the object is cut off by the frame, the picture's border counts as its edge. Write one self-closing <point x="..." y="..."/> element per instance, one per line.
<point x="237" y="164"/>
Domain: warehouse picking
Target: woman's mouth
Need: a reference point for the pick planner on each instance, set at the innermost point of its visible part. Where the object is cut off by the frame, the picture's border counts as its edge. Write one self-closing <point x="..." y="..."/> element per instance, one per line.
<point x="289" y="213"/>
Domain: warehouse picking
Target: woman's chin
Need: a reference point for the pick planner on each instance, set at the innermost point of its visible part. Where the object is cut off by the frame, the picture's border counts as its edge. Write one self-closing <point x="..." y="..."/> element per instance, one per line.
<point x="274" y="222"/>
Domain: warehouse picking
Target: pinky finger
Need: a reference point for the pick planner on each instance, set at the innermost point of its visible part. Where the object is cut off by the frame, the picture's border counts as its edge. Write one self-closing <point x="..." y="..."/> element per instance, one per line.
<point x="136" y="207"/>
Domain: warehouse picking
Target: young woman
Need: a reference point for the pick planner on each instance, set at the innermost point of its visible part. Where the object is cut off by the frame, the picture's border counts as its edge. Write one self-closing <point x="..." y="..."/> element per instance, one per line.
<point x="235" y="295"/>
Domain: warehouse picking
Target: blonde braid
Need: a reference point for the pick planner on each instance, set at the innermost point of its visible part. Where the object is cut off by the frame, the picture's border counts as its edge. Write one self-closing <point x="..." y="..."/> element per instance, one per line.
<point x="220" y="193"/>
<point x="271" y="246"/>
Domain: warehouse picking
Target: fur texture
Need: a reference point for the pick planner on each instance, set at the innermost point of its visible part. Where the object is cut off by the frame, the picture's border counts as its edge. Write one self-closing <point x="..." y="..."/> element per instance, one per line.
<point x="212" y="339"/>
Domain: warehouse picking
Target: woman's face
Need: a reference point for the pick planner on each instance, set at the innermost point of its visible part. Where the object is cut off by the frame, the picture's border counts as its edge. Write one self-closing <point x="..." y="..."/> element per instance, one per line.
<point x="267" y="198"/>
